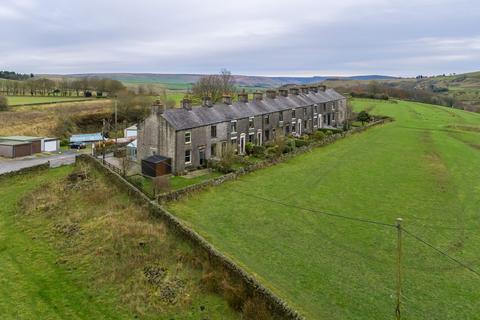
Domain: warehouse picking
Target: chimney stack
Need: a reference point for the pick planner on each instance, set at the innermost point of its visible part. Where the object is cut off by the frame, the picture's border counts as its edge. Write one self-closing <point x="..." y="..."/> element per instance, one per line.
<point x="283" y="92"/>
<point x="157" y="107"/>
<point x="227" y="99"/>
<point x="207" y="102"/>
<point x="322" y="88"/>
<point x="243" y="97"/>
<point x="272" y="94"/>
<point x="257" y="96"/>
<point x="186" y="104"/>
<point x="294" y="91"/>
<point x="313" y="89"/>
<point x="304" y="90"/>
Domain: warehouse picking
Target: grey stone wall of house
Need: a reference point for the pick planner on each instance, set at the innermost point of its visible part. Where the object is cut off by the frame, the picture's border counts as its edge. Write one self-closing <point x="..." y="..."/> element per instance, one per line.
<point x="165" y="134"/>
<point x="155" y="136"/>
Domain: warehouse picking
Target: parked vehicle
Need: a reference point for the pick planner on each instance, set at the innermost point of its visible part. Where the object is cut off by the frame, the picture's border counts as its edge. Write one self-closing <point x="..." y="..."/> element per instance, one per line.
<point x="77" y="145"/>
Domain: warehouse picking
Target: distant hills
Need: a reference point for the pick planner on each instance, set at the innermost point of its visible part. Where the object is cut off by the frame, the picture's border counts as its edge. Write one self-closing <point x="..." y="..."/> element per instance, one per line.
<point x="184" y="81"/>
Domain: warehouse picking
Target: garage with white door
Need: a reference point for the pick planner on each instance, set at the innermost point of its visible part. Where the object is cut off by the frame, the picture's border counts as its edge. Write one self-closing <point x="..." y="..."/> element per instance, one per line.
<point x="50" y="144"/>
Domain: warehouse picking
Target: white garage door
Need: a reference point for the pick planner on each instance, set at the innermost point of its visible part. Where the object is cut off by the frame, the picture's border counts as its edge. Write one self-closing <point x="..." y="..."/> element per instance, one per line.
<point x="50" y="146"/>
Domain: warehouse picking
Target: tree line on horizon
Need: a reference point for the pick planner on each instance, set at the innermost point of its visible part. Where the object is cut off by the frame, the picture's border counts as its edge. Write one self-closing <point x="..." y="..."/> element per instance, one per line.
<point x="63" y="87"/>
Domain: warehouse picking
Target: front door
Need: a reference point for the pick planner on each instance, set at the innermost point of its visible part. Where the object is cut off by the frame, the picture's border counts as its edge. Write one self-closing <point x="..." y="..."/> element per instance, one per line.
<point x="242" y="143"/>
<point x="299" y="127"/>
<point x="201" y="157"/>
<point x="259" y="138"/>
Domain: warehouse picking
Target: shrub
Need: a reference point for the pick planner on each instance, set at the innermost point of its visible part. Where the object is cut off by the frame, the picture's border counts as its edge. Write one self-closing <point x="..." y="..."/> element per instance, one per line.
<point x="272" y="152"/>
<point x="4" y="103"/>
<point x="137" y="181"/>
<point x="318" y="135"/>
<point x="300" y="143"/>
<point x="363" y="116"/>
<point x="330" y="130"/>
<point x="258" y="151"/>
<point x="249" y="148"/>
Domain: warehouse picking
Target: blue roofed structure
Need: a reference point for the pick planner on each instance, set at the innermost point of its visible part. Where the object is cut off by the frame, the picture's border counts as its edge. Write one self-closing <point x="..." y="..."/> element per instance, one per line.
<point x="87" y="137"/>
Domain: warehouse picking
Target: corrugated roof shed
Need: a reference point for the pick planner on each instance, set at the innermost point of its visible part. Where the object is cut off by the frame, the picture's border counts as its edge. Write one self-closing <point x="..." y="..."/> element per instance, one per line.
<point x="13" y="142"/>
<point x="21" y="138"/>
<point x="88" y="137"/>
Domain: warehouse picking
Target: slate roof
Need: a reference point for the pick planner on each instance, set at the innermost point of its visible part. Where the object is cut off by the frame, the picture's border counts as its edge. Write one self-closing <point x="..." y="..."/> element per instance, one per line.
<point x="155" y="159"/>
<point x="182" y="119"/>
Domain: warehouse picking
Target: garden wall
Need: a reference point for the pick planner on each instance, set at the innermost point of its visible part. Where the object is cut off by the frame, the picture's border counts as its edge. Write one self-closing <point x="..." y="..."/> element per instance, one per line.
<point x="25" y="170"/>
<point x="179" y="194"/>
<point x="277" y="308"/>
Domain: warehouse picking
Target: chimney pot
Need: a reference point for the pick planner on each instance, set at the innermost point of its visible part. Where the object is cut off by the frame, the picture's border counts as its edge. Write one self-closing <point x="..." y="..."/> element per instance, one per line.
<point x="294" y="91"/>
<point x="187" y="104"/>
<point x="283" y="92"/>
<point x="243" y="97"/>
<point x="272" y="94"/>
<point x="257" y="96"/>
<point x="207" y="102"/>
<point x="157" y="107"/>
<point x="227" y="99"/>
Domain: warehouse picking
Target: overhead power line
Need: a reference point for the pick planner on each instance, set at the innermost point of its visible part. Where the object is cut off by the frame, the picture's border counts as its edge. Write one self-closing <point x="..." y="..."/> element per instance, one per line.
<point x="441" y="252"/>
<point x="319" y="211"/>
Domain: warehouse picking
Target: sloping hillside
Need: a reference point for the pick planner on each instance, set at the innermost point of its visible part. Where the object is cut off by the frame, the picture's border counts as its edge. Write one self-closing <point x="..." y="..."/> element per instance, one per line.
<point x="72" y="246"/>
<point x="184" y="81"/>
<point x="419" y="167"/>
<point x="464" y="88"/>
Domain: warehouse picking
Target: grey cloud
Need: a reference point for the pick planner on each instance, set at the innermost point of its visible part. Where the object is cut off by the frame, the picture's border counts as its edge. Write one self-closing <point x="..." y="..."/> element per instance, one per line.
<point x="268" y="37"/>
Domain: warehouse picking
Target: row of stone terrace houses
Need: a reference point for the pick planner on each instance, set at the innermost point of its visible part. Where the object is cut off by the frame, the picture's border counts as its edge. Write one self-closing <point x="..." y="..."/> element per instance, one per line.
<point x="189" y="136"/>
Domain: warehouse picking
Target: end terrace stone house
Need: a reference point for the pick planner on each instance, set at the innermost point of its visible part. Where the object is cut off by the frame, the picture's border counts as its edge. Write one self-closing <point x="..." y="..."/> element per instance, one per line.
<point x="192" y="135"/>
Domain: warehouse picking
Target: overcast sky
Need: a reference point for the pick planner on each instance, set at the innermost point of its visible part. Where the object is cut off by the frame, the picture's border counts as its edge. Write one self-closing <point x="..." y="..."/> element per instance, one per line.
<point x="255" y="37"/>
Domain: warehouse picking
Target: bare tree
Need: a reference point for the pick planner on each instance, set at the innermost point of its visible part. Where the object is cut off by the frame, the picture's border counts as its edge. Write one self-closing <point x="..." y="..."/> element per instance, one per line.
<point x="214" y="86"/>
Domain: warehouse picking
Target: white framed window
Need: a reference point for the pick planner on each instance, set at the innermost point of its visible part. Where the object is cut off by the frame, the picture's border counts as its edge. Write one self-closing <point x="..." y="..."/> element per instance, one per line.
<point x="188" y="137"/>
<point x="251" y="124"/>
<point x="188" y="156"/>
<point x="294" y="114"/>
<point x="233" y="126"/>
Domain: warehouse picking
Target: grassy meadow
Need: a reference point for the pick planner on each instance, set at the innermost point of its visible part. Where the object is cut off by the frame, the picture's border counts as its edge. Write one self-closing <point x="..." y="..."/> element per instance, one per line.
<point x="26" y="100"/>
<point x="423" y="167"/>
<point x="81" y="249"/>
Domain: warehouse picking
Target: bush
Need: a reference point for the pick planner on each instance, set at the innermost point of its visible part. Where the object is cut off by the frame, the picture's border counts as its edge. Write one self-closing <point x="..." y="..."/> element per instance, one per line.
<point x="300" y="143"/>
<point x="64" y="142"/>
<point x="249" y="148"/>
<point x="363" y="116"/>
<point x="4" y="103"/>
<point x="330" y="131"/>
<point x="137" y="181"/>
<point x="258" y="151"/>
<point x="272" y="152"/>
<point x="318" y="135"/>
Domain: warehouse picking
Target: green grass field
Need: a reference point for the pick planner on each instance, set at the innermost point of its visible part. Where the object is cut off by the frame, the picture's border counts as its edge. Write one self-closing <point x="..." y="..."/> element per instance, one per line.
<point x="423" y="167"/>
<point x="82" y="250"/>
<point x="26" y="100"/>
